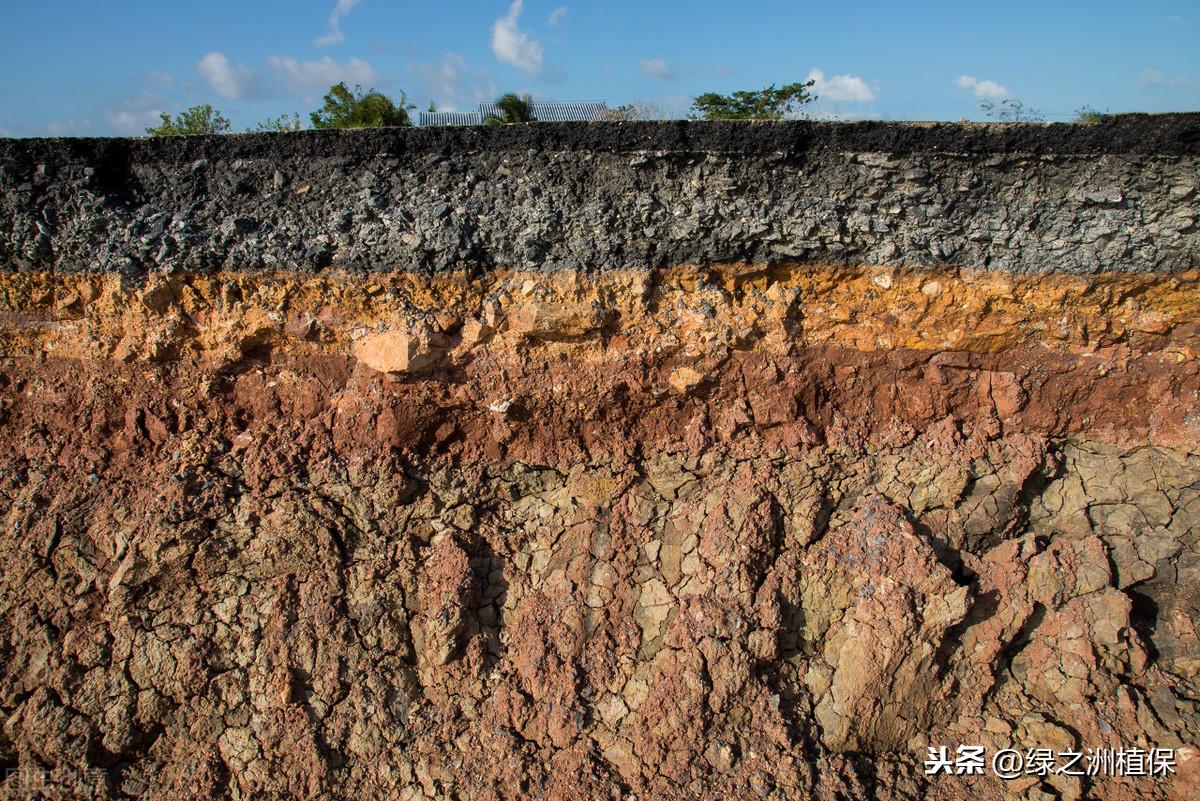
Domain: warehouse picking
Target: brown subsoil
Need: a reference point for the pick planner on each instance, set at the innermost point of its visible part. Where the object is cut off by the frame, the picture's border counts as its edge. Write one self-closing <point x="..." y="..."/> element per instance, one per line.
<point x="732" y="532"/>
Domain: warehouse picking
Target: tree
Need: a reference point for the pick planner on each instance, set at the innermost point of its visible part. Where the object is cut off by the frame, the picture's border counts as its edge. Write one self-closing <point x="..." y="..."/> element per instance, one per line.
<point x="1010" y="110"/>
<point x="196" y="121"/>
<point x="284" y="123"/>
<point x="513" y="108"/>
<point x="358" y="109"/>
<point x="767" y="103"/>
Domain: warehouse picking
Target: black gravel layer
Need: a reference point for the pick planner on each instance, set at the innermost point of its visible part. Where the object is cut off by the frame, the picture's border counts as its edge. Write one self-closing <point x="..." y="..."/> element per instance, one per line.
<point x="1116" y="195"/>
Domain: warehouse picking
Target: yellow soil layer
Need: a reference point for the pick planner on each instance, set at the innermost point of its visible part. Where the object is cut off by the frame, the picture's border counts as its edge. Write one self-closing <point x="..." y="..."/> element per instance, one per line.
<point x="219" y="318"/>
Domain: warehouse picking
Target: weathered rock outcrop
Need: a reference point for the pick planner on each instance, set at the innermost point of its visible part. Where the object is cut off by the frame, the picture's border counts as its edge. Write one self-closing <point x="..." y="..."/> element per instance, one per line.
<point x="675" y="461"/>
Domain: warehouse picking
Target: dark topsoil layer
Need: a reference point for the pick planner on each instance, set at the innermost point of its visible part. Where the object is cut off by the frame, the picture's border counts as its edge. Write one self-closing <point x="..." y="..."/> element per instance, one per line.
<point x="1117" y="196"/>
<point x="1165" y="134"/>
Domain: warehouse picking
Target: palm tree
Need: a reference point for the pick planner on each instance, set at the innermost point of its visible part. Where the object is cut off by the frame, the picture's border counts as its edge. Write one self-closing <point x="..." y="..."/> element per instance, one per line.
<point x="513" y="108"/>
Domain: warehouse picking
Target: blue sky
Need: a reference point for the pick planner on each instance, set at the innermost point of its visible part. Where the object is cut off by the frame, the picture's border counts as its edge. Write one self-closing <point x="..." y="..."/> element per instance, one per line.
<point x="105" y="67"/>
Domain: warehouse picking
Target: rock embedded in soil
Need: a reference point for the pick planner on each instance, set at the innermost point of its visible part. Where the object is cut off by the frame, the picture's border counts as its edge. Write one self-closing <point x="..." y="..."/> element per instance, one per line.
<point x="399" y="351"/>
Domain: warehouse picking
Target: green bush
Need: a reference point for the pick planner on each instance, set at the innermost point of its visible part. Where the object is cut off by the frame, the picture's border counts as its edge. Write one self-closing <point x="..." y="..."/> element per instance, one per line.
<point x="358" y="109"/>
<point x="1086" y="115"/>
<point x="196" y="121"/>
<point x="768" y="103"/>
<point x="281" y="124"/>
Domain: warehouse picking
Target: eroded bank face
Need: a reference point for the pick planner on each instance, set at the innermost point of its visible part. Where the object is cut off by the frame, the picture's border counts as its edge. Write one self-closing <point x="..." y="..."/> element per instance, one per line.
<point x="720" y="526"/>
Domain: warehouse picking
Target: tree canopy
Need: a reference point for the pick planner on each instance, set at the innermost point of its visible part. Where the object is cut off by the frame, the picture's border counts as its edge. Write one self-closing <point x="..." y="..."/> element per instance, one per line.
<point x="513" y="108"/>
<point x="196" y="121"/>
<point x="767" y="103"/>
<point x="358" y="109"/>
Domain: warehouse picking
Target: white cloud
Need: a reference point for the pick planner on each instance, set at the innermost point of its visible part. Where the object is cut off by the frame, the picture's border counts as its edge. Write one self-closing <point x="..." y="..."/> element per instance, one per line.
<point x="305" y="77"/>
<point x="132" y="114"/>
<point x="840" y="88"/>
<point x="1153" y="79"/>
<point x="981" y="88"/>
<point x="335" y="35"/>
<point x="513" y="46"/>
<point x="282" y="75"/>
<point x="556" y="16"/>
<point x="453" y="84"/>
<point x="222" y="77"/>
<point x="656" y="67"/>
<point x="130" y="122"/>
<point x="158" y="78"/>
<point x="1177" y="20"/>
<point x="74" y="127"/>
